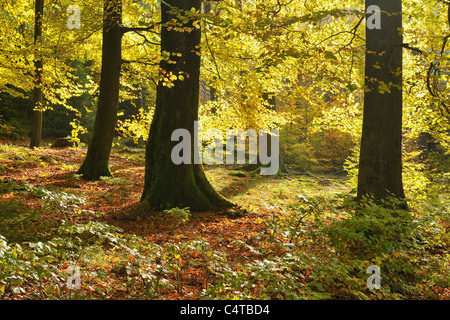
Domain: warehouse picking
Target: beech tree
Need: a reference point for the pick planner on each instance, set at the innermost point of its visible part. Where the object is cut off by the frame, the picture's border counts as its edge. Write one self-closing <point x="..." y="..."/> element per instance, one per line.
<point x="96" y="162"/>
<point x="168" y="185"/>
<point x="380" y="162"/>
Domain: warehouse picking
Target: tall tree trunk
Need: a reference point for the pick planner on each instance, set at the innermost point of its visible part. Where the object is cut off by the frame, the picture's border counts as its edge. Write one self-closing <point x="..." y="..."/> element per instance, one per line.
<point x="380" y="164"/>
<point x="96" y="163"/>
<point x="168" y="185"/>
<point x="36" y="129"/>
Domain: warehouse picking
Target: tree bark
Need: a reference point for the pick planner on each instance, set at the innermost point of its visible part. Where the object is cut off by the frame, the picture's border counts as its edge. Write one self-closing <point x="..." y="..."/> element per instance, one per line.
<point x="380" y="164"/>
<point x="96" y="162"/>
<point x="36" y="129"/>
<point x="185" y="185"/>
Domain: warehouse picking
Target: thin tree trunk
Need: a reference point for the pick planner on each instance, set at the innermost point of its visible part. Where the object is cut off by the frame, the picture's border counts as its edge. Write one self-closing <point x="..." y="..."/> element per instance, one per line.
<point x="185" y="185"/>
<point x="380" y="164"/>
<point x="96" y="163"/>
<point x="36" y="130"/>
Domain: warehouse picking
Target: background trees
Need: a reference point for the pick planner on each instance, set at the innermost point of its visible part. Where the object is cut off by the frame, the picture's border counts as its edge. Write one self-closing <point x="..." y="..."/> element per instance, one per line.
<point x="59" y="79"/>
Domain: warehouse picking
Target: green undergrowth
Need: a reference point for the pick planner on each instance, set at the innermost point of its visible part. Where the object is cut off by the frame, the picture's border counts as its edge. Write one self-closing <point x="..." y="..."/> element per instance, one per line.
<point x="319" y="249"/>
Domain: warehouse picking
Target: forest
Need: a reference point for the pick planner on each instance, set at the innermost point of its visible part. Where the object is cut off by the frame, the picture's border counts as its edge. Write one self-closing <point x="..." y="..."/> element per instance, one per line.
<point x="224" y="150"/>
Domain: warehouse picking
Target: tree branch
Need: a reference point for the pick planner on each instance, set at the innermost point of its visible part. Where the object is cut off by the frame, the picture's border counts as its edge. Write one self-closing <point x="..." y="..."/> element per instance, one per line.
<point x="407" y="46"/>
<point x="124" y="61"/>
<point x="137" y="29"/>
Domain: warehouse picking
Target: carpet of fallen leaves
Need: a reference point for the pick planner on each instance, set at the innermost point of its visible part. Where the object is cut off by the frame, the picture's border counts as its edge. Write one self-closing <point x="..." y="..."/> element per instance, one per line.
<point x="56" y="167"/>
<point x="118" y="197"/>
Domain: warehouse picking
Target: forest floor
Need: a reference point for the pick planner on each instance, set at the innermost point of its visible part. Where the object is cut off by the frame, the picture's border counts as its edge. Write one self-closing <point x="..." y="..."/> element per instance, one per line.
<point x="290" y="237"/>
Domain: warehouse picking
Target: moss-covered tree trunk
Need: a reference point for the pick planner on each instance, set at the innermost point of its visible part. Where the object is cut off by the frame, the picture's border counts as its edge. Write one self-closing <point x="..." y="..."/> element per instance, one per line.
<point x="380" y="164"/>
<point x="168" y="185"/>
<point x="36" y="129"/>
<point x="96" y="162"/>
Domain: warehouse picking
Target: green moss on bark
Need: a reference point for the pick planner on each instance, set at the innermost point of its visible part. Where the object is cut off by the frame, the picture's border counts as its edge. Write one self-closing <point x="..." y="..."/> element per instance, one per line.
<point x="185" y="185"/>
